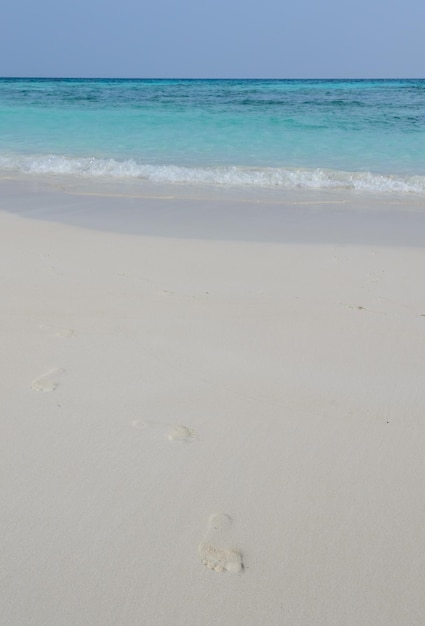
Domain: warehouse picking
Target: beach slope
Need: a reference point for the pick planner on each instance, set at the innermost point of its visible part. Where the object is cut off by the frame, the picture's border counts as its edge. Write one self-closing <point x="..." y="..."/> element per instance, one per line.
<point x="204" y="432"/>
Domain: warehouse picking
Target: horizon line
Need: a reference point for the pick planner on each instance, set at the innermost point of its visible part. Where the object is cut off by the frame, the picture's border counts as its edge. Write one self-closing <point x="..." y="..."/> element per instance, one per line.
<point x="354" y="78"/>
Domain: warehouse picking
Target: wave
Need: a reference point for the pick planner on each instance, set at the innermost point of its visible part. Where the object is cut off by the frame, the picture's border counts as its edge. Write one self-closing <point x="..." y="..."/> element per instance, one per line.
<point x="269" y="177"/>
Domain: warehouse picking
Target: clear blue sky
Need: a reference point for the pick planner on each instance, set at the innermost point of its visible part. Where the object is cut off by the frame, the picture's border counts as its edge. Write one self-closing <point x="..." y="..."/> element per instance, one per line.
<point x="220" y="38"/>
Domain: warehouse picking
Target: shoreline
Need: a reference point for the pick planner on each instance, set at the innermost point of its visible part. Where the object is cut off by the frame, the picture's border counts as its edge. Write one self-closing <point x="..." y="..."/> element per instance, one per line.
<point x="216" y="417"/>
<point x="217" y="213"/>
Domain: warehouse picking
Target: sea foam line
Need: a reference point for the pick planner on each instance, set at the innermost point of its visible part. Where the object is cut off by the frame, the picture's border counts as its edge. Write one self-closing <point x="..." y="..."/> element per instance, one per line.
<point x="285" y="178"/>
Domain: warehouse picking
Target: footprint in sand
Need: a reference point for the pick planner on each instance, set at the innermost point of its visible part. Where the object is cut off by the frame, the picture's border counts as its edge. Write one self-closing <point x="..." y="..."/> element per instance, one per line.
<point x="182" y="434"/>
<point x="59" y="332"/>
<point x="217" y="551"/>
<point x="65" y="332"/>
<point x="49" y="381"/>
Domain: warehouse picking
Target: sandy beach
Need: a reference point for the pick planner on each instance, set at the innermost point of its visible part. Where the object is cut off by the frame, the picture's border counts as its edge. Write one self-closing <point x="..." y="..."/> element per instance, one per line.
<point x="212" y="408"/>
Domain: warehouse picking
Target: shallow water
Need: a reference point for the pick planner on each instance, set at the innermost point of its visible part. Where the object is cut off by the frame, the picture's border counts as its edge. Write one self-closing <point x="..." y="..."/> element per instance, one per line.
<point x="316" y="134"/>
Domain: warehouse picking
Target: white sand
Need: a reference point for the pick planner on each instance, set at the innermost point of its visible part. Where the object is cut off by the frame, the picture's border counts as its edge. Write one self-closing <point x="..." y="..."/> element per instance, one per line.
<point x="170" y="406"/>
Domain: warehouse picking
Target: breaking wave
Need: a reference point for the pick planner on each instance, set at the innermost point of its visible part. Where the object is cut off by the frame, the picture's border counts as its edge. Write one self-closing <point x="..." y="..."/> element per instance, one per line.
<point x="284" y="178"/>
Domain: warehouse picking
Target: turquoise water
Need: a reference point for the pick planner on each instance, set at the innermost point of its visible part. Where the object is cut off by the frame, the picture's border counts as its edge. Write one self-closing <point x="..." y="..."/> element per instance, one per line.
<point x="271" y="133"/>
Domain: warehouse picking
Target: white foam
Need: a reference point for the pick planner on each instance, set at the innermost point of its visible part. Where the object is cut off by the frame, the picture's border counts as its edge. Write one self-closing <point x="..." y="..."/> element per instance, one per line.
<point x="285" y="178"/>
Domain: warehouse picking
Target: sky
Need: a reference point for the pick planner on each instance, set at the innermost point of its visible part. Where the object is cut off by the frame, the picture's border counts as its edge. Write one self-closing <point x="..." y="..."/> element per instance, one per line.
<point x="213" y="38"/>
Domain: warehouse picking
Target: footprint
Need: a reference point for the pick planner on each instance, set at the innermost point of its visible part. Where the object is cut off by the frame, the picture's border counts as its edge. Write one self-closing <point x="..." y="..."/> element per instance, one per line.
<point x="48" y="382"/>
<point x="216" y="551"/>
<point x="65" y="332"/>
<point x="182" y="434"/>
<point x="59" y="332"/>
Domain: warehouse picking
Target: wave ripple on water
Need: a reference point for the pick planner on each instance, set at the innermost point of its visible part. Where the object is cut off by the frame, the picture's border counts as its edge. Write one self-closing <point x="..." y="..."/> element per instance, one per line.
<point x="284" y="178"/>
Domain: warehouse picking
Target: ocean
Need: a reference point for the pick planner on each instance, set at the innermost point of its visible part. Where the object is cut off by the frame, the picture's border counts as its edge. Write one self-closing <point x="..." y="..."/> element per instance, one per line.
<point x="365" y="135"/>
